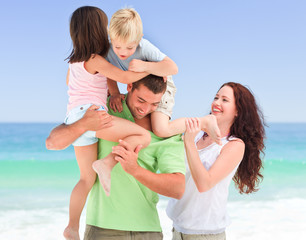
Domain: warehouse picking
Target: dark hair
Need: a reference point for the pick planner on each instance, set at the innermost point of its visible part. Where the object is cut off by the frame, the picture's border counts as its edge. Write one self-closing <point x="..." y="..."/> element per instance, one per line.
<point x="88" y="31"/>
<point x="249" y="127"/>
<point x="154" y="83"/>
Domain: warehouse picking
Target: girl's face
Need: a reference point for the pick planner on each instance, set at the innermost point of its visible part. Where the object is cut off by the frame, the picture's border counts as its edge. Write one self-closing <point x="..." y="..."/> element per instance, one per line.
<point x="223" y="106"/>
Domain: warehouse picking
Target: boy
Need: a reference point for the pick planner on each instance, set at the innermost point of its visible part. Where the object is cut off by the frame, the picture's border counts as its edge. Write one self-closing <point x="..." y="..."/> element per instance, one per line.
<point x="129" y="51"/>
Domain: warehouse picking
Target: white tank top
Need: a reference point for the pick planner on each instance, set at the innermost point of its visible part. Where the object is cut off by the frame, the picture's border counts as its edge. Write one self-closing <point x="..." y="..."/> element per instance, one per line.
<point x="202" y="213"/>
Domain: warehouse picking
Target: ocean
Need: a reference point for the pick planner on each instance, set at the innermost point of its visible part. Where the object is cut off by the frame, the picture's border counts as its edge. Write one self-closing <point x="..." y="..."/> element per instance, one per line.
<point x="35" y="186"/>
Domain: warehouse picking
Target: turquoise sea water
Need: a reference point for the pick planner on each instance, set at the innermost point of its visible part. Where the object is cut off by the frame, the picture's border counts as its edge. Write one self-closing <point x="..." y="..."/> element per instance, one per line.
<point x="35" y="186"/>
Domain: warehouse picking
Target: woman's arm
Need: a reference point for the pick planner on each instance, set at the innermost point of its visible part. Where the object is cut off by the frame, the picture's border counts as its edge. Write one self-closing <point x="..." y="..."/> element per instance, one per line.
<point x="230" y="156"/>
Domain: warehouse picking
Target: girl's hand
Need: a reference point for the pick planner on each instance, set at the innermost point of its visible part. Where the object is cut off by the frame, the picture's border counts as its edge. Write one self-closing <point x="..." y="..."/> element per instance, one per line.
<point x="115" y="102"/>
<point x="193" y="127"/>
<point x="127" y="156"/>
<point x="137" y="65"/>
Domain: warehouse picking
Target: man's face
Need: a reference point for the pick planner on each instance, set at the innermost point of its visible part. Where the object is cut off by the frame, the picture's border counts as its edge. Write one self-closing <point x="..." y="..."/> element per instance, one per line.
<point x="123" y="49"/>
<point x="142" y="101"/>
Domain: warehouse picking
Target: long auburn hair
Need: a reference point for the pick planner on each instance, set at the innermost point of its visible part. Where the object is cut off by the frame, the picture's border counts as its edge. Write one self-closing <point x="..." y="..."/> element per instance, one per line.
<point x="249" y="127"/>
<point x="88" y="31"/>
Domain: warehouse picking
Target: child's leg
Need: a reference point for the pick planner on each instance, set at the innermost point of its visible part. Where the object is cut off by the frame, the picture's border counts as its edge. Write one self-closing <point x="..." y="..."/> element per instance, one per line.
<point x="163" y="127"/>
<point x="85" y="156"/>
<point x="210" y="126"/>
<point x="160" y="119"/>
<point x="121" y="129"/>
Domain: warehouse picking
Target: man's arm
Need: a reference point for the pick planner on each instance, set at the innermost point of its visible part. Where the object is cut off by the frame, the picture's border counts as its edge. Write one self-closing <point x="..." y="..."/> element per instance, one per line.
<point x="64" y="135"/>
<point x="167" y="184"/>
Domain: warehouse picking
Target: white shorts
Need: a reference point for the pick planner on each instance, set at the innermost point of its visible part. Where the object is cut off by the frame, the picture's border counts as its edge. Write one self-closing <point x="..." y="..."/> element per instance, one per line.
<point x="76" y="114"/>
<point x="167" y="102"/>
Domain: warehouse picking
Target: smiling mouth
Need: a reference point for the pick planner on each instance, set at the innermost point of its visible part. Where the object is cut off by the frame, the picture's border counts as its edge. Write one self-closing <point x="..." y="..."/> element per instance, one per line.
<point x="216" y="110"/>
<point x="140" y="112"/>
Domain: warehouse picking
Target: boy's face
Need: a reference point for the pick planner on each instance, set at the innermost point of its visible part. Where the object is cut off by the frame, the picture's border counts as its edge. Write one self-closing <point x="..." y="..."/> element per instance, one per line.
<point x="124" y="49"/>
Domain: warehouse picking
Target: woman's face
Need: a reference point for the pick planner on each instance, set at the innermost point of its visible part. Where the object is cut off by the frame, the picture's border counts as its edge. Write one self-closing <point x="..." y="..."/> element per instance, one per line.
<point x="223" y="106"/>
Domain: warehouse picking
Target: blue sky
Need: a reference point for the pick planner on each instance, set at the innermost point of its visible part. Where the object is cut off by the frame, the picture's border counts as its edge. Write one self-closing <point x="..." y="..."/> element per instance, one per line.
<point x="259" y="43"/>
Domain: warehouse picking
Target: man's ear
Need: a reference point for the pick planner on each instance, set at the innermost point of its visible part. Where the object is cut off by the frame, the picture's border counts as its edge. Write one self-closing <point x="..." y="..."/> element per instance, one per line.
<point x="129" y="87"/>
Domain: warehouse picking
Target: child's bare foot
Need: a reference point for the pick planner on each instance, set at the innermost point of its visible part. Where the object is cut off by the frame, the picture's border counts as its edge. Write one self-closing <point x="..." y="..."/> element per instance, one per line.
<point x="71" y="234"/>
<point x="210" y="126"/>
<point x="103" y="169"/>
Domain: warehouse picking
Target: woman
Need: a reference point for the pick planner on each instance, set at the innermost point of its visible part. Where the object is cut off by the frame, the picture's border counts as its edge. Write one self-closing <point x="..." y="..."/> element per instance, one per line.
<point x="201" y="213"/>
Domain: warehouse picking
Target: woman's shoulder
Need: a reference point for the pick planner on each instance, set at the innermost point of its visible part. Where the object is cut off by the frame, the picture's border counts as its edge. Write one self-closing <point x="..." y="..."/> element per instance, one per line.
<point x="232" y="138"/>
<point x="234" y="142"/>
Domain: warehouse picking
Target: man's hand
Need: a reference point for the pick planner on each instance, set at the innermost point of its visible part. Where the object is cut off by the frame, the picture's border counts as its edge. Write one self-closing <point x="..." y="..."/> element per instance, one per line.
<point x="137" y="65"/>
<point x="127" y="156"/>
<point x="64" y="135"/>
<point x="95" y="120"/>
<point x="115" y="102"/>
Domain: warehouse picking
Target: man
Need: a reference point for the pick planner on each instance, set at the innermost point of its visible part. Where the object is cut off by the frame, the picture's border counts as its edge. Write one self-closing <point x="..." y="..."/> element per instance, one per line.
<point x="130" y="210"/>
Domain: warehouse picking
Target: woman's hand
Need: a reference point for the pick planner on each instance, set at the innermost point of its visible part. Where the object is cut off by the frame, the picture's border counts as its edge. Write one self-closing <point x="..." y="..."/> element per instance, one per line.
<point x="193" y="127"/>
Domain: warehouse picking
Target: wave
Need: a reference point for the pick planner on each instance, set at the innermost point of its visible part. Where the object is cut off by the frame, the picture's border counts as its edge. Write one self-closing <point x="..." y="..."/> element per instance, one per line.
<point x="280" y="219"/>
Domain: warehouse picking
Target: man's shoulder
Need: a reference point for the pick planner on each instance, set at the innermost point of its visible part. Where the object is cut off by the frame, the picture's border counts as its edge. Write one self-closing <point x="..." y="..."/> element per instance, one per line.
<point x="164" y="143"/>
<point x="168" y="153"/>
<point x="125" y="113"/>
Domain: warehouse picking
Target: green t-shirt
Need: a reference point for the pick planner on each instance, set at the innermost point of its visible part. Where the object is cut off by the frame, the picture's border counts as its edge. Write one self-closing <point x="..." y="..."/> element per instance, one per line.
<point x="131" y="206"/>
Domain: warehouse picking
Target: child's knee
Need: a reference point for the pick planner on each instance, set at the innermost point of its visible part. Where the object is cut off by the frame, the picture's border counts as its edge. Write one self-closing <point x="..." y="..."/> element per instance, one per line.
<point x="160" y="131"/>
<point x="147" y="138"/>
<point x="88" y="181"/>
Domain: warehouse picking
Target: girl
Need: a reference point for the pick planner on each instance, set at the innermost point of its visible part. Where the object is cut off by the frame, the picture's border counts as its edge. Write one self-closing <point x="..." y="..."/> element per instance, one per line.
<point x="87" y="86"/>
<point x="201" y="213"/>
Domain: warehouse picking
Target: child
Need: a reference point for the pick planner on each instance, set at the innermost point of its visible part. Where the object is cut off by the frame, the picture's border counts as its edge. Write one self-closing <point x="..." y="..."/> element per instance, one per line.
<point x="87" y="83"/>
<point x="129" y="51"/>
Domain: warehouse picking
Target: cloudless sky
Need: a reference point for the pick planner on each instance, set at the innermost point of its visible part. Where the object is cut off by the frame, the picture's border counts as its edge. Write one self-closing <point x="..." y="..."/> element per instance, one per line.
<point x="258" y="43"/>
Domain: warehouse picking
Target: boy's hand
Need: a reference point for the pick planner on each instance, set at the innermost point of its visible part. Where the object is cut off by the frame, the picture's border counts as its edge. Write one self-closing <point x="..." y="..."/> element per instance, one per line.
<point x="137" y="65"/>
<point x="115" y="102"/>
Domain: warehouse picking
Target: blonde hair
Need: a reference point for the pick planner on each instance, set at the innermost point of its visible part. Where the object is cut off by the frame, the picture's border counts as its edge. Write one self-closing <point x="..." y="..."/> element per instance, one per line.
<point x="126" y="26"/>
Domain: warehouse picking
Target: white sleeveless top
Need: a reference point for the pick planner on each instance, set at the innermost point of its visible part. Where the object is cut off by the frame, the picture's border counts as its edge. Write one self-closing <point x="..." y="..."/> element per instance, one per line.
<point x="202" y="213"/>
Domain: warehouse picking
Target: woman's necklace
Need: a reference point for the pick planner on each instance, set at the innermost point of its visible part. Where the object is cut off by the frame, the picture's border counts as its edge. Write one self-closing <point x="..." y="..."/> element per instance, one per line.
<point x="205" y="141"/>
<point x="205" y="135"/>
